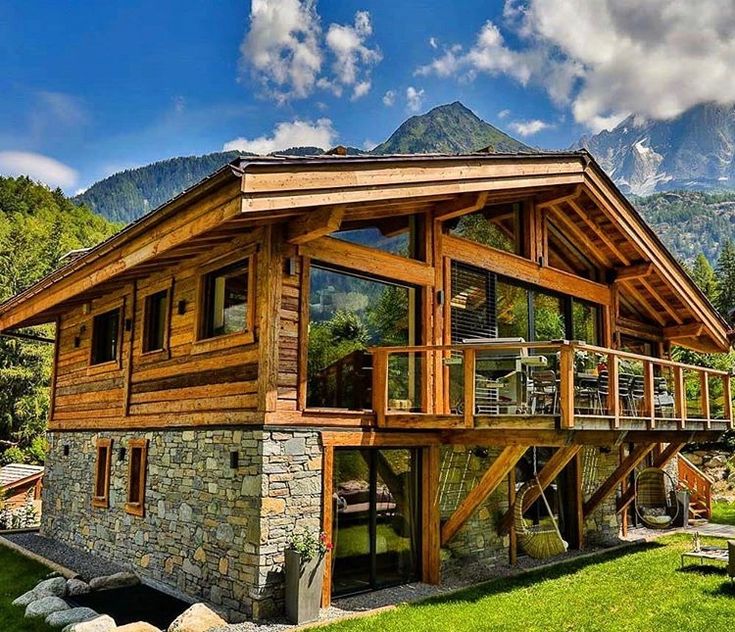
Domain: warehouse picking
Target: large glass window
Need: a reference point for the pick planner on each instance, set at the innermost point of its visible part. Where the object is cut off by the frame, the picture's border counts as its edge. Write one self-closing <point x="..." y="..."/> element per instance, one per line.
<point x="348" y="314"/>
<point x="497" y="226"/>
<point x="105" y="337"/>
<point x="586" y="322"/>
<point x="512" y="310"/>
<point x="154" y="325"/>
<point x="398" y="235"/>
<point x="227" y="300"/>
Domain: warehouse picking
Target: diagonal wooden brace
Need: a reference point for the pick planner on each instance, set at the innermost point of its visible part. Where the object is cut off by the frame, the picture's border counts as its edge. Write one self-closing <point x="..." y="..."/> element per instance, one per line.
<point x="496" y="472"/>
<point x="660" y="461"/>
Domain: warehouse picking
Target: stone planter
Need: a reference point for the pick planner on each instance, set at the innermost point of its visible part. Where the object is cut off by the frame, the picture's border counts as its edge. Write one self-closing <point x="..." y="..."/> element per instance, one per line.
<point x="303" y="587"/>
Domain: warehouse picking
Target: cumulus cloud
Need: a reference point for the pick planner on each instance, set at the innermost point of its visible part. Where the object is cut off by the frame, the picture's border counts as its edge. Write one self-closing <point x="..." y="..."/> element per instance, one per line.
<point x="503" y="114"/>
<point x="414" y="99"/>
<point x="389" y="98"/>
<point x="529" y="128"/>
<point x="296" y="133"/>
<point x="287" y="51"/>
<point x="38" y="167"/>
<point x="606" y="59"/>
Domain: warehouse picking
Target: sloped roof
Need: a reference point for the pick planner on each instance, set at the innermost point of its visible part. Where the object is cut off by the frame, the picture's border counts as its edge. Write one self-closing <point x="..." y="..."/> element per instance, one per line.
<point x="11" y="475"/>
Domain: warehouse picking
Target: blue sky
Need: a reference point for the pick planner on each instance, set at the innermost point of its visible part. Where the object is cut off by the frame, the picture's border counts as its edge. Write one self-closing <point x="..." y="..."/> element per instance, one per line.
<point x="92" y="88"/>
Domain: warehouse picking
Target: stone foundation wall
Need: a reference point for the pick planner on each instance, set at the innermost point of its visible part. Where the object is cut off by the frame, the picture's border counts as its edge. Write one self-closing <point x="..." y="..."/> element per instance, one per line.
<point x="209" y="531"/>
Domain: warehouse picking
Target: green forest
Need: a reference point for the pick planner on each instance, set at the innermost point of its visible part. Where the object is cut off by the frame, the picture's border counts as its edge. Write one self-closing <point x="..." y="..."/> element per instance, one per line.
<point x="37" y="227"/>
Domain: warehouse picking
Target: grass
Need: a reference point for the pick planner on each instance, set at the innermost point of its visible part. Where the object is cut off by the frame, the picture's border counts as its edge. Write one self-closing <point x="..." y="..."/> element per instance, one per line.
<point x="632" y="590"/>
<point x="18" y="574"/>
<point x="723" y="513"/>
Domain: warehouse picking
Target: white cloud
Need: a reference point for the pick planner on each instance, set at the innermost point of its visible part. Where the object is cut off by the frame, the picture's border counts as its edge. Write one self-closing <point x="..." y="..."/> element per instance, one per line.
<point x="389" y="98"/>
<point x="286" y="135"/>
<point x="38" y="167"/>
<point x="529" y="128"/>
<point x="286" y="48"/>
<point x="606" y="59"/>
<point x="433" y="42"/>
<point x="414" y="99"/>
<point x="369" y="144"/>
<point x="503" y="114"/>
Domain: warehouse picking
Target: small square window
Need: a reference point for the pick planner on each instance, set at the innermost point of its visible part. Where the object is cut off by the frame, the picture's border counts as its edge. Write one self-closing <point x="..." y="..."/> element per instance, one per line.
<point x="156" y="321"/>
<point x="227" y="300"/>
<point x="105" y="337"/>
<point x="138" y="454"/>
<point x="101" y="492"/>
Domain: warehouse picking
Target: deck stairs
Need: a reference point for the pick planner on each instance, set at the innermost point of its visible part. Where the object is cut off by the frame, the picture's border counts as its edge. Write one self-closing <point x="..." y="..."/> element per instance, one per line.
<point x="700" y="491"/>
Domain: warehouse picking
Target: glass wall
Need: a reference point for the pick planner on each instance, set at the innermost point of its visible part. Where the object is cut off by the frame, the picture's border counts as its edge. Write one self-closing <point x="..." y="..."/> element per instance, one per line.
<point x="497" y="226"/>
<point x="398" y="235"/>
<point x="347" y="315"/>
<point x="376" y="530"/>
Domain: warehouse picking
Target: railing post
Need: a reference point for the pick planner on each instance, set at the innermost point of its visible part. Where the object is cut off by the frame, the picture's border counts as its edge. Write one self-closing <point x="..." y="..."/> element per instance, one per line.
<point x="566" y="385"/>
<point x="380" y="385"/>
<point x="649" y="406"/>
<point x="727" y="400"/>
<point x="704" y="398"/>
<point x="469" y="358"/>
<point x="613" y="389"/>
<point x="680" y="397"/>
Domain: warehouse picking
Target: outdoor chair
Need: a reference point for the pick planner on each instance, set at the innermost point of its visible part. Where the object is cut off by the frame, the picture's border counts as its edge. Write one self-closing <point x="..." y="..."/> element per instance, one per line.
<point x="544" y="396"/>
<point x="663" y="400"/>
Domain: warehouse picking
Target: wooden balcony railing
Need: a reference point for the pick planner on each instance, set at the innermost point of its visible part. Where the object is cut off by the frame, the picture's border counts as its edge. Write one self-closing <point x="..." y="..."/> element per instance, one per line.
<point x="570" y="383"/>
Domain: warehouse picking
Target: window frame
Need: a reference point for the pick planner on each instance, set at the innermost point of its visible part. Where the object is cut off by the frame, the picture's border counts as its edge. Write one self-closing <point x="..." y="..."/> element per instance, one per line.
<point x="137" y="508"/>
<point x="521" y="209"/>
<point x="247" y="335"/>
<point x="102" y="502"/>
<point x="166" y="288"/>
<point x="106" y="364"/>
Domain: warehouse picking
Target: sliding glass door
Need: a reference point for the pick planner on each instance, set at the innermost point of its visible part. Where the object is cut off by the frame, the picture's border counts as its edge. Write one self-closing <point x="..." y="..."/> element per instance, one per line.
<point x="376" y="530"/>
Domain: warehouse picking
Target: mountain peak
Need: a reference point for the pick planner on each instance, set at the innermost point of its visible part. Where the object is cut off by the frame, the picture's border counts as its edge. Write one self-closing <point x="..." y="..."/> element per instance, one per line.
<point x="451" y="128"/>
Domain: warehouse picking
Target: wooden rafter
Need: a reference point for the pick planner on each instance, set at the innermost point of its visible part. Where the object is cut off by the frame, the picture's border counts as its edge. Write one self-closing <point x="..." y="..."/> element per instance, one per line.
<point x="685" y="330"/>
<point x="634" y="271"/>
<point x="546" y="476"/>
<point x="599" y="232"/>
<point x="578" y="234"/>
<point x="649" y="309"/>
<point x="489" y="482"/>
<point x="461" y="205"/>
<point x="660" y="461"/>
<point x="313" y="224"/>
<point x="555" y="199"/>
<point x="664" y="303"/>
<point x="628" y="464"/>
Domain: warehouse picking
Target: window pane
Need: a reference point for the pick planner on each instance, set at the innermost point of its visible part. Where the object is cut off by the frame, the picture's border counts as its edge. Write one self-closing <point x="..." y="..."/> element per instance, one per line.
<point x="99" y="488"/>
<point x="348" y="314"/>
<point x="497" y="226"/>
<point x="105" y="334"/>
<point x="585" y="319"/>
<point x="226" y="300"/>
<point x="512" y="311"/>
<point x="156" y="306"/>
<point x="397" y="235"/>
<point x="548" y="317"/>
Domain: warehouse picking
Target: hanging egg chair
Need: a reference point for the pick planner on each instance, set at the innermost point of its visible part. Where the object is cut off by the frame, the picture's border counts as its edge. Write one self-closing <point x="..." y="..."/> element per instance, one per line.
<point x="539" y="541"/>
<point x="655" y="505"/>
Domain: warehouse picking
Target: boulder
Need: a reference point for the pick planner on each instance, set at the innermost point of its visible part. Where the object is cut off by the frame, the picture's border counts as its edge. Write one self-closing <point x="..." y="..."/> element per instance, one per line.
<point x="696" y="459"/>
<point x="118" y="580"/>
<point x="63" y="618"/>
<point x="198" y="618"/>
<point x="77" y="587"/>
<point x="55" y="586"/>
<point x="45" y="606"/>
<point x="103" y="623"/>
<point x="716" y="461"/>
<point x="138" y="626"/>
<point x="27" y="598"/>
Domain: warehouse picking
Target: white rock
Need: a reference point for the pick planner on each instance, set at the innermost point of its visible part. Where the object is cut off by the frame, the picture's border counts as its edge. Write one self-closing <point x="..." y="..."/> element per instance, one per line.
<point x="198" y="618"/>
<point x="45" y="606"/>
<point x="55" y="586"/>
<point x="118" y="580"/>
<point x="77" y="587"/>
<point x="104" y="623"/>
<point x="138" y="626"/>
<point x="74" y="615"/>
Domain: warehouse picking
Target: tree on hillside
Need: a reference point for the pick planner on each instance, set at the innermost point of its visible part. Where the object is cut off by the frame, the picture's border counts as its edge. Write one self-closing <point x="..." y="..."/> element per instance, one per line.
<point x="704" y="276"/>
<point x="725" y="294"/>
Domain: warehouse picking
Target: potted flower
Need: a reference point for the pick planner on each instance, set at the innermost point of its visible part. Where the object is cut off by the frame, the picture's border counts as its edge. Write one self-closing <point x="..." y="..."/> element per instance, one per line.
<point x="305" y="557"/>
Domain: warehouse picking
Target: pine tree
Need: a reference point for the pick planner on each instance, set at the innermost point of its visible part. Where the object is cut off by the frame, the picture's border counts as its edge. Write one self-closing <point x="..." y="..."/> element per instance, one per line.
<point x="725" y="294"/>
<point x="704" y="276"/>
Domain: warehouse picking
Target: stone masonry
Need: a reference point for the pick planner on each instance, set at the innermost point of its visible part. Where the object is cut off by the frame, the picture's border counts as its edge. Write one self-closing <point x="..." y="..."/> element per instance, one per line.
<point x="209" y="531"/>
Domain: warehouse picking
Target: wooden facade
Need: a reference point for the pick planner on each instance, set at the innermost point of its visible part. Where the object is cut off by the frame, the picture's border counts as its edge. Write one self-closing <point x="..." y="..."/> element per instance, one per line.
<point x="578" y="238"/>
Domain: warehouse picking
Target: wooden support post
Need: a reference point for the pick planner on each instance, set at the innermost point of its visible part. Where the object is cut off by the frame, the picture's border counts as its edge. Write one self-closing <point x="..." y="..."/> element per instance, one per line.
<point x="704" y="399"/>
<point x="469" y="387"/>
<point x="577" y="498"/>
<point x="649" y="407"/>
<point x="380" y="385"/>
<point x="566" y="386"/>
<point x="327" y="520"/>
<point x="680" y="397"/>
<point x="624" y="484"/>
<point x="489" y="482"/>
<point x="613" y="389"/>
<point x="660" y="460"/>
<point x="727" y="399"/>
<point x="431" y="540"/>
<point x="546" y="476"/>
<point x="626" y="467"/>
<point x="512" y="537"/>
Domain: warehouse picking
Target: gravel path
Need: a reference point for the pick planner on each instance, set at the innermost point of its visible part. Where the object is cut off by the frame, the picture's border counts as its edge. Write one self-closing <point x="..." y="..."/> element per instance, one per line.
<point x="86" y="564"/>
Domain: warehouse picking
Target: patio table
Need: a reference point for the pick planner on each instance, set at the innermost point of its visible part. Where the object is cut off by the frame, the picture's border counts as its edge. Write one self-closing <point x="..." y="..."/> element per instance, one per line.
<point x="706" y="554"/>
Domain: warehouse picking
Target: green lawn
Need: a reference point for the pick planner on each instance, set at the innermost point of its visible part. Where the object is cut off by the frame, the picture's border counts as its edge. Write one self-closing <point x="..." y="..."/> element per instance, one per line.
<point x="638" y="590"/>
<point x="17" y="575"/>
<point x="723" y="513"/>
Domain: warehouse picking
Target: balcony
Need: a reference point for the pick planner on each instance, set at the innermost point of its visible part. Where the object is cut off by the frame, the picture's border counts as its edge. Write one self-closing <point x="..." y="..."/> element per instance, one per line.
<point x="555" y="385"/>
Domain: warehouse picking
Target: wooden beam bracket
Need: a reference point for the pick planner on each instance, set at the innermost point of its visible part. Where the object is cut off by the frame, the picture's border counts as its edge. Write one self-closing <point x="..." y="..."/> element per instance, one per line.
<point x="314" y="224"/>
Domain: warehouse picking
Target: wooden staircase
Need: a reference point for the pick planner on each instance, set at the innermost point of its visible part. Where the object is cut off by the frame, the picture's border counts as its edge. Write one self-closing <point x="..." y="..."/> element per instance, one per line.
<point x="700" y="491"/>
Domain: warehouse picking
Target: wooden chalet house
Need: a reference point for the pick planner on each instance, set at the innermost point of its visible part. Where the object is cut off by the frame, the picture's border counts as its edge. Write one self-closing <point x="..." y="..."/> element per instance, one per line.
<point x="381" y="347"/>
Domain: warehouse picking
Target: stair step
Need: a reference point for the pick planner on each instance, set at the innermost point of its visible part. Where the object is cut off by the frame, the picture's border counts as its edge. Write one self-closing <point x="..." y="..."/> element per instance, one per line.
<point x="697" y="522"/>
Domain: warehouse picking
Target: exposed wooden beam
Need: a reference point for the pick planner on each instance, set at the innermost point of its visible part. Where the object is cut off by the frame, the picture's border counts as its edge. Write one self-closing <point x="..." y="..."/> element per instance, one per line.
<point x="685" y="330"/>
<point x="635" y="271"/>
<point x="542" y="202"/>
<point x="489" y="482"/>
<point x="313" y="224"/>
<point x="626" y="467"/>
<point x="637" y="295"/>
<point x="578" y="235"/>
<point x="663" y="302"/>
<point x="599" y="232"/>
<point x="461" y="205"/>
<point x="546" y="476"/>
<point x="660" y="461"/>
